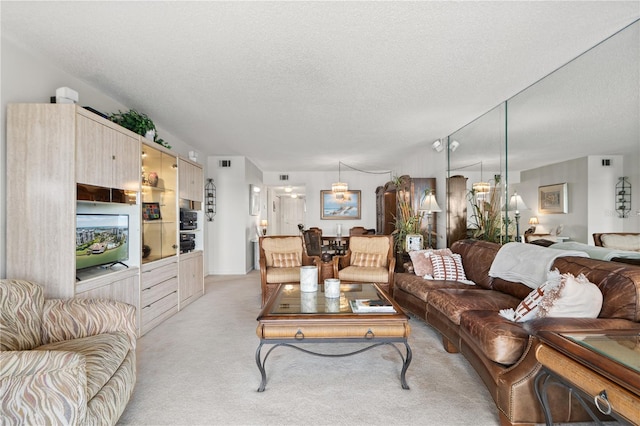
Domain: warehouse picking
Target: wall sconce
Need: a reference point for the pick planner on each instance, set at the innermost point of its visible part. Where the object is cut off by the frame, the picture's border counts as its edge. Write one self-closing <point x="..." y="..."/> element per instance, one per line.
<point x="263" y="225"/>
<point x="437" y="146"/>
<point x="453" y="146"/>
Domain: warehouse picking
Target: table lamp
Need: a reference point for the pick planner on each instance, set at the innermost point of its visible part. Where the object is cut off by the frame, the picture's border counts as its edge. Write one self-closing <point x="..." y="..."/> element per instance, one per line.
<point x="263" y="225"/>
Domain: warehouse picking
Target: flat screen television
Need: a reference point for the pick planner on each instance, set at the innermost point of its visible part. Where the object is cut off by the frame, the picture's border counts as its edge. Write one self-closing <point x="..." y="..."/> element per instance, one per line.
<point x="101" y="239"/>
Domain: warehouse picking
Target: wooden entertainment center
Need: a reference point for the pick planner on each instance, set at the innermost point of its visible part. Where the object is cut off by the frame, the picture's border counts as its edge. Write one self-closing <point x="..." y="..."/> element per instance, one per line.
<point x="62" y="160"/>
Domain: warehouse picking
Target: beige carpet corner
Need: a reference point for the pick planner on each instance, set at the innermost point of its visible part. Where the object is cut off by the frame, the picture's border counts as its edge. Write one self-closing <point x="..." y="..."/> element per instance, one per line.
<point x="198" y="368"/>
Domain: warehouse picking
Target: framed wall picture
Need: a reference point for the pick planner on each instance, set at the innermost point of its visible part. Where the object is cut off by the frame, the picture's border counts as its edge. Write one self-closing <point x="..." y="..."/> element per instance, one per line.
<point x="340" y="208"/>
<point x="254" y="200"/>
<point x="553" y="199"/>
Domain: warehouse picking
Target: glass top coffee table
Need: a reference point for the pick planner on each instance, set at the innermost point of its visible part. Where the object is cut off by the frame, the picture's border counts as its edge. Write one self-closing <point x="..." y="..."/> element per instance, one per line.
<point x="363" y="313"/>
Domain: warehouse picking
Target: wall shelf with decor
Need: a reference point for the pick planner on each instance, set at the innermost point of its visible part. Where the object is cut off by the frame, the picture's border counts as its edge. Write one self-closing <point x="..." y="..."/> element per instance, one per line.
<point x="623" y="197"/>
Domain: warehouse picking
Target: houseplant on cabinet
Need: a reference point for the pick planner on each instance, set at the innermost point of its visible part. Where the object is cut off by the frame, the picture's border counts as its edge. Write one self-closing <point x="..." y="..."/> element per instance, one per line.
<point x="138" y="123"/>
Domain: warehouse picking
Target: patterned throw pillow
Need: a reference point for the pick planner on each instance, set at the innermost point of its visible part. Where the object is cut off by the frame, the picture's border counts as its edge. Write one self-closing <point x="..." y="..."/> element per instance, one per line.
<point x="285" y="260"/>
<point x="447" y="267"/>
<point x="560" y="296"/>
<point x="421" y="263"/>
<point x="366" y="259"/>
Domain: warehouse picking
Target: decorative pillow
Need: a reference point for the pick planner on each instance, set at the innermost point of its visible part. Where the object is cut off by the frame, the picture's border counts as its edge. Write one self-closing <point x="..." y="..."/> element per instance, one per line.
<point x="562" y="296"/>
<point x="621" y="242"/>
<point x="366" y="259"/>
<point x="286" y="260"/>
<point x="528" y="308"/>
<point x="575" y="297"/>
<point x="422" y="264"/>
<point x="447" y="267"/>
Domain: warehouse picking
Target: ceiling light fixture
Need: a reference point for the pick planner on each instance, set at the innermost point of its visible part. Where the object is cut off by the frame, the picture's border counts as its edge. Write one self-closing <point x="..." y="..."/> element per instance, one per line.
<point x="437" y="146"/>
<point x="288" y="189"/>
<point x="481" y="187"/>
<point x="339" y="188"/>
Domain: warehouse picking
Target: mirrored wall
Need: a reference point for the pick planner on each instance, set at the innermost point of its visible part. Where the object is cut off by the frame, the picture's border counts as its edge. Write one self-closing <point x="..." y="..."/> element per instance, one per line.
<point x="559" y="148"/>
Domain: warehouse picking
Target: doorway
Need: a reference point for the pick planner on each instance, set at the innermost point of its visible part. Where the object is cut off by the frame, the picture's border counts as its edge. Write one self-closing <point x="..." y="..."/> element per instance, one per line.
<point x="288" y="209"/>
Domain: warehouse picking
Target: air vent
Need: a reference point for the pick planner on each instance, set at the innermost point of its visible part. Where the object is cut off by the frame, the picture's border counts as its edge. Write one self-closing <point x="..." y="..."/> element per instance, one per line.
<point x="284" y="177"/>
<point x="224" y="163"/>
<point x="606" y="162"/>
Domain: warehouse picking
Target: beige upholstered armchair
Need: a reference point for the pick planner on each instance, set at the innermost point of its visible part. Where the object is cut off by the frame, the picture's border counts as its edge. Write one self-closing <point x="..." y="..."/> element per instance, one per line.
<point x="64" y="361"/>
<point x="280" y="260"/>
<point x="368" y="259"/>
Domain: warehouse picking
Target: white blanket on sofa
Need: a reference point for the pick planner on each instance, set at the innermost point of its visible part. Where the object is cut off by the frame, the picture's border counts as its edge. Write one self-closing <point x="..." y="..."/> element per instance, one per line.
<point x="526" y="263"/>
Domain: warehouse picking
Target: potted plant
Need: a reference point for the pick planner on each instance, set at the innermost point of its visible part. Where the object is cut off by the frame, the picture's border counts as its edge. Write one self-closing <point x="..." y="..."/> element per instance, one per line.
<point x="138" y="123"/>
<point x="407" y="220"/>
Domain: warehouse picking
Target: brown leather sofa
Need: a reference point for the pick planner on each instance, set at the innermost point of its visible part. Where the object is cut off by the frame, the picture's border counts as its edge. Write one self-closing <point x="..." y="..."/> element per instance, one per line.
<point x="501" y="351"/>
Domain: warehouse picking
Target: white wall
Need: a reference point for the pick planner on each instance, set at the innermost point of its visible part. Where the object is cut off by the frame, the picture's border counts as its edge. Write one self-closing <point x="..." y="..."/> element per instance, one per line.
<point x="227" y="238"/>
<point x="29" y="77"/>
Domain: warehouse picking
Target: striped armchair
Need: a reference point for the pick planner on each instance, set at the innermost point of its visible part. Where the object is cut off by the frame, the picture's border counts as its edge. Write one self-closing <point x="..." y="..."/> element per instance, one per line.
<point x="64" y="361"/>
<point x="368" y="259"/>
<point x="280" y="259"/>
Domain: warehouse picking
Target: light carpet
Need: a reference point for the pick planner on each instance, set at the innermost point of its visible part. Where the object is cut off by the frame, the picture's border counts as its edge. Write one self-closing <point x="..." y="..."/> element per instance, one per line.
<point x="198" y="368"/>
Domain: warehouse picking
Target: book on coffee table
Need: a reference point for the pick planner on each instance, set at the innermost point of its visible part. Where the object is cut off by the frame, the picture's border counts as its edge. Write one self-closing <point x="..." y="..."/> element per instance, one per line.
<point x="365" y="306"/>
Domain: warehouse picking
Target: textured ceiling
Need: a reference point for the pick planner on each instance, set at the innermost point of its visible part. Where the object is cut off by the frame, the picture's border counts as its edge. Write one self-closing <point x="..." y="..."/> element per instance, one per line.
<point x="288" y="84"/>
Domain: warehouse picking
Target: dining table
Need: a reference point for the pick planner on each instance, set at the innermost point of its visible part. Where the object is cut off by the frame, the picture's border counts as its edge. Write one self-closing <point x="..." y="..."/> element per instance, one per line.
<point x="335" y="244"/>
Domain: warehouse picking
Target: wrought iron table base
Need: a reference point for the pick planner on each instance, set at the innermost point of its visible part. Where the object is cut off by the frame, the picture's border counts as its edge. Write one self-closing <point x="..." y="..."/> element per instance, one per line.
<point x="545" y="378"/>
<point x="406" y="358"/>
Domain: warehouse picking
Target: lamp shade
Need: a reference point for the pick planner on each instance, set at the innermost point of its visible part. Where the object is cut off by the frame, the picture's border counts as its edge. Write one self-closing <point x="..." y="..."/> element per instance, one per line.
<point x="533" y="220"/>
<point x="429" y="204"/>
<point x="264" y="222"/>
<point x="516" y="204"/>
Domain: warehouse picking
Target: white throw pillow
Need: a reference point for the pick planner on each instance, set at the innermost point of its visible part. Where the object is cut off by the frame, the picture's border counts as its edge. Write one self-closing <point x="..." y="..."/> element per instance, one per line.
<point x="621" y="242"/>
<point x="561" y="296"/>
<point x="575" y="297"/>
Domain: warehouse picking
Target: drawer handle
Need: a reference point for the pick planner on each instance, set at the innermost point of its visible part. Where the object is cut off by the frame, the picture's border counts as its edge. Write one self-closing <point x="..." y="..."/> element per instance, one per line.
<point x="299" y="335"/>
<point x="601" y="398"/>
<point x="369" y="334"/>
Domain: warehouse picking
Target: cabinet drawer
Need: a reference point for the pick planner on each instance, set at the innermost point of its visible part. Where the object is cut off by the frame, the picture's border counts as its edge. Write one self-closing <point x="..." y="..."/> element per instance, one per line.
<point x="151" y="294"/>
<point x="154" y="276"/>
<point x="159" y="307"/>
<point x="351" y="331"/>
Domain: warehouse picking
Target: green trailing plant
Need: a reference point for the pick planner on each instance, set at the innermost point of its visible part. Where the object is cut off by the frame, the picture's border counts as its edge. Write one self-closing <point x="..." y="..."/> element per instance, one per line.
<point x="138" y="123"/>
